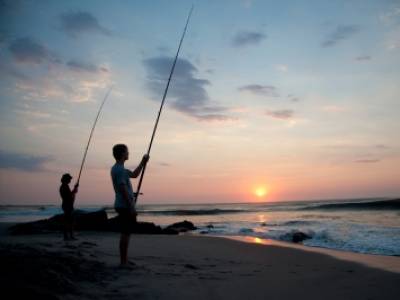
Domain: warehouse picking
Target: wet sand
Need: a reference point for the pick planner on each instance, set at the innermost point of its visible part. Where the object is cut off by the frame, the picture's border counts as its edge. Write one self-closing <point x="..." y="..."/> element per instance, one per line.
<point x="187" y="267"/>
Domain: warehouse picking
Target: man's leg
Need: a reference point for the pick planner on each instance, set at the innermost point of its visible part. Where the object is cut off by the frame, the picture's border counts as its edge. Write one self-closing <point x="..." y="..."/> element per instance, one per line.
<point x="66" y="227"/>
<point x="66" y="237"/>
<point x="71" y="228"/>
<point x="123" y="247"/>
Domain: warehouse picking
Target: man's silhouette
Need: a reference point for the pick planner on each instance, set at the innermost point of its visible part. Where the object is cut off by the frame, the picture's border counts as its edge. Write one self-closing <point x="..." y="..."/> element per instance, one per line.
<point x="68" y="198"/>
<point x="124" y="196"/>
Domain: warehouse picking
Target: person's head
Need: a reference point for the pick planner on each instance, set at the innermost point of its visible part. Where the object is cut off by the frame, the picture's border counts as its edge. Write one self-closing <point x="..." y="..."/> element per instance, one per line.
<point x="66" y="178"/>
<point x="120" y="152"/>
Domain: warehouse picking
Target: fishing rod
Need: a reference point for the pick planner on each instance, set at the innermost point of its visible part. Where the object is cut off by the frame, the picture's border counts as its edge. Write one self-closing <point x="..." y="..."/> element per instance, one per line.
<point x="162" y="103"/>
<point x="91" y="133"/>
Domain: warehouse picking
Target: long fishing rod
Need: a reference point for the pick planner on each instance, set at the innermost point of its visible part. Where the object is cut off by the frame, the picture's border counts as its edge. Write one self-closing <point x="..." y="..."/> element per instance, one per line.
<point x="162" y="103"/>
<point x="91" y="134"/>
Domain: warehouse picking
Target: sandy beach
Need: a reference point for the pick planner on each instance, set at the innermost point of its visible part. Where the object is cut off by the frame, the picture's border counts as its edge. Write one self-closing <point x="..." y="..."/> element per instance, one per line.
<point x="187" y="267"/>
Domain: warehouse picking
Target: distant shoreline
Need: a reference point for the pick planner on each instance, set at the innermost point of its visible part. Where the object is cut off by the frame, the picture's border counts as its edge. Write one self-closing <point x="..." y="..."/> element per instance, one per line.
<point x="110" y="204"/>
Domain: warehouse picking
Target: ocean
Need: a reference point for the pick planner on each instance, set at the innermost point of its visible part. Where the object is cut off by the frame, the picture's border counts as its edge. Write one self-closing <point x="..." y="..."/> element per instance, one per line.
<point x="359" y="225"/>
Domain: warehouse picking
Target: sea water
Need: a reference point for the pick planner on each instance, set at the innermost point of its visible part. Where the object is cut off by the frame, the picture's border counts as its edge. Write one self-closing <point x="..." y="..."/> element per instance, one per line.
<point x="359" y="225"/>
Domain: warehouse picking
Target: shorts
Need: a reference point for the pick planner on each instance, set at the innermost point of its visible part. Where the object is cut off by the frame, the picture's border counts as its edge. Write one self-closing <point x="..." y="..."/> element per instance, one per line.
<point x="126" y="219"/>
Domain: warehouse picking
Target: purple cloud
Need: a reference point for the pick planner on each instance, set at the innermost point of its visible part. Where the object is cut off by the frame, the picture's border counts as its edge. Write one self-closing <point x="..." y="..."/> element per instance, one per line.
<point x="27" y="50"/>
<point x="75" y="23"/>
<point x="341" y="33"/>
<point x="246" y="38"/>
<point x="283" y="114"/>
<point x="258" y="89"/>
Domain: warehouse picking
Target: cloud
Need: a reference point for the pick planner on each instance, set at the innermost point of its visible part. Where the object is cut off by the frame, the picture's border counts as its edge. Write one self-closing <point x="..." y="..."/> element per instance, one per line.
<point x="367" y="161"/>
<point x="363" y="58"/>
<point x="27" y="50"/>
<point x="10" y="160"/>
<point x="282" y="68"/>
<point x="391" y="17"/>
<point x="187" y="93"/>
<point x="74" y="80"/>
<point x="393" y="39"/>
<point x="75" y="23"/>
<point x="381" y="146"/>
<point x="58" y="84"/>
<point x="246" y="38"/>
<point x="341" y="33"/>
<point x="80" y="66"/>
<point x="257" y="89"/>
<point x="293" y="98"/>
<point x="283" y="114"/>
<point x="8" y="70"/>
<point x="33" y="113"/>
<point x="215" y="118"/>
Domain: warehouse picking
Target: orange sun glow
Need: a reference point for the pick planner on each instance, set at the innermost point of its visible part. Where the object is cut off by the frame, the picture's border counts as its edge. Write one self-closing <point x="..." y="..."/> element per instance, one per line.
<point x="261" y="191"/>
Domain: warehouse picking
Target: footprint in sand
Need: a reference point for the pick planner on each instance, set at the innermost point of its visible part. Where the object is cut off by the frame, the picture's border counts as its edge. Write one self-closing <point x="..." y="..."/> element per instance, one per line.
<point x="87" y="244"/>
<point x="70" y="246"/>
<point x="131" y="266"/>
<point x="190" y="266"/>
<point x="224" y="272"/>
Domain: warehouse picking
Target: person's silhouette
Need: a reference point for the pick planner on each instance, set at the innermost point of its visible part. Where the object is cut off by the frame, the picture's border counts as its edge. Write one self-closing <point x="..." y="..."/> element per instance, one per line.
<point x="124" y="196"/>
<point x="68" y="198"/>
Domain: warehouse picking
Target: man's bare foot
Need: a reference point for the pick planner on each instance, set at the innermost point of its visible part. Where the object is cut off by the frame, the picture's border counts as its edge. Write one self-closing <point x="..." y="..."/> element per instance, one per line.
<point x="129" y="265"/>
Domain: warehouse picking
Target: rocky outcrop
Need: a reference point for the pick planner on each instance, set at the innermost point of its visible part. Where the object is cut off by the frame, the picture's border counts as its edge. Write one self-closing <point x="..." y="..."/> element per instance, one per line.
<point x="299" y="236"/>
<point x="179" y="227"/>
<point x="97" y="221"/>
<point x="139" y="227"/>
<point x="83" y="221"/>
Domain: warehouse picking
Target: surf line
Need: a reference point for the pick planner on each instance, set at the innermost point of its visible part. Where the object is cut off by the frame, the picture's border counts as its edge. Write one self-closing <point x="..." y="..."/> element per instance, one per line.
<point x="162" y="103"/>
<point x="91" y="133"/>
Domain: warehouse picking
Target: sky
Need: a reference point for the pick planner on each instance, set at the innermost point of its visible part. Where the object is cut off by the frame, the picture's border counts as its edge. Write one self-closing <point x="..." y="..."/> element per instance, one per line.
<point x="270" y="101"/>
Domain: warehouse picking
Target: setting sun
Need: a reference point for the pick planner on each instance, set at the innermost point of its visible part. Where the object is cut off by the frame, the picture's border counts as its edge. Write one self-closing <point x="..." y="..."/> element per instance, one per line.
<point x="261" y="191"/>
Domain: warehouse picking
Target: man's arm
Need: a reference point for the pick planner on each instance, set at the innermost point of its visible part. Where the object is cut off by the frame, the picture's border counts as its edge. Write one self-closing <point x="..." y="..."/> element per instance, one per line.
<point x="74" y="191"/>
<point x="139" y="168"/>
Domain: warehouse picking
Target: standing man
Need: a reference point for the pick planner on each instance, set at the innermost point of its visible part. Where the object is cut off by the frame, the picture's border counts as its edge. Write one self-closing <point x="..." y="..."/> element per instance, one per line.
<point x="124" y="196"/>
<point x="68" y="199"/>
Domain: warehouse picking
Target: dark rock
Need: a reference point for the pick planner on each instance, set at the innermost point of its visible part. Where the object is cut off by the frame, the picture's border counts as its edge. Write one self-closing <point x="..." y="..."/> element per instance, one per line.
<point x="83" y="221"/>
<point x="181" y="226"/>
<point x="263" y="224"/>
<point x="210" y="226"/>
<point x="91" y="221"/>
<point x="300" y="236"/>
<point x="113" y="224"/>
<point x="96" y="221"/>
<point x="147" y="228"/>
